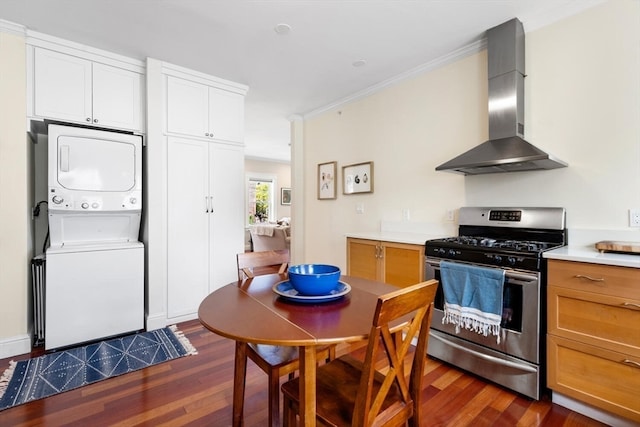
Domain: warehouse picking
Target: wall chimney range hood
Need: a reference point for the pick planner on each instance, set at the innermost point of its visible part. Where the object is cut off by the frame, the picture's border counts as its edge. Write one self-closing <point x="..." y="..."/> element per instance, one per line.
<point x="506" y="150"/>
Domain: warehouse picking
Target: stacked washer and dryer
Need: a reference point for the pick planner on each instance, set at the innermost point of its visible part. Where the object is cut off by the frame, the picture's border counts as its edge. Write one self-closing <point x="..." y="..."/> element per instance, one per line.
<point x="95" y="263"/>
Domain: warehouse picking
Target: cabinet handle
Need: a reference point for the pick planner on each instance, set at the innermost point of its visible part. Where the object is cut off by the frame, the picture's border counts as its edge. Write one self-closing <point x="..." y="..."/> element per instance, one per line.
<point x="593" y="279"/>
<point x="631" y="362"/>
<point x="89" y="119"/>
<point x="211" y="204"/>
<point x="206" y="204"/>
<point x="95" y="120"/>
<point x="631" y="305"/>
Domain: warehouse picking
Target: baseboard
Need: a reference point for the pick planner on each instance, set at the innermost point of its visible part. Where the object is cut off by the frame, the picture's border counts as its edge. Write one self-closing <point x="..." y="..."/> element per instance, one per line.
<point x="157" y="321"/>
<point x="590" y="411"/>
<point x="14" y="346"/>
<point x="180" y="319"/>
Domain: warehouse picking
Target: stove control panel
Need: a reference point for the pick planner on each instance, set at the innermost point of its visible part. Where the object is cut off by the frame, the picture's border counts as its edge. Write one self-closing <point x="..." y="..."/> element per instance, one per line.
<point x="511" y="216"/>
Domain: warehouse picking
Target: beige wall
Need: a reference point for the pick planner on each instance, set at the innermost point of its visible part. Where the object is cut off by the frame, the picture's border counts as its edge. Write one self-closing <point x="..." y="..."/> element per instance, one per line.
<point x="282" y="171"/>
<point x="582" y="95"/>
<point x="15" y="248"/>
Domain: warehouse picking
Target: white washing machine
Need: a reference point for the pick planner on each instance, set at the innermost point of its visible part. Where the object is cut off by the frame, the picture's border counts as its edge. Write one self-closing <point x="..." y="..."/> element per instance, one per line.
<point x="93" y="291"/>
<point x="95" y="263"/>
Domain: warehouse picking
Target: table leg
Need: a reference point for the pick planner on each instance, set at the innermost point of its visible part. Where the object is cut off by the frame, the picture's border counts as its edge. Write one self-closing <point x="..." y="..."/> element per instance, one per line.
<point x="239" y="376"/>
<point x="307" y="386"/>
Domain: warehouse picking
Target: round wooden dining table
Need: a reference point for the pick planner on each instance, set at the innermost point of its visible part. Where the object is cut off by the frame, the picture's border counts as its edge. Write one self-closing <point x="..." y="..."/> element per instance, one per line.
<point x="250" y="311"/>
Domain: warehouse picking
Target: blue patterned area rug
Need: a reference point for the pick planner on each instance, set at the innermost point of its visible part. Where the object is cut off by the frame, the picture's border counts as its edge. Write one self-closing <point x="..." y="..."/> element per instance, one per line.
<point x="53" y="373"/>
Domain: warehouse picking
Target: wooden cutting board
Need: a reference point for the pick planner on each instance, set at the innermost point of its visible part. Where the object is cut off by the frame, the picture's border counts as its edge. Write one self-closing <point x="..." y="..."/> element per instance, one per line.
<point x="612" y="246"/>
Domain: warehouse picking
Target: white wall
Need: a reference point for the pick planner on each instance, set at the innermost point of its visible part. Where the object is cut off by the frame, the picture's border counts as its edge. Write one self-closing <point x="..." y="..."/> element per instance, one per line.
<point x="15" y="198"/>
<point x="582" y="96"/>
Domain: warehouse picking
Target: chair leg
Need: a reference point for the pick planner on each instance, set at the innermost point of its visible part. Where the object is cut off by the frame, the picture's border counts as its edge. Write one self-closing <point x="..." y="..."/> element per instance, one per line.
<point x="274" y="399"/>
<point x="288" y="416"/>
<point x="239" y="377"/>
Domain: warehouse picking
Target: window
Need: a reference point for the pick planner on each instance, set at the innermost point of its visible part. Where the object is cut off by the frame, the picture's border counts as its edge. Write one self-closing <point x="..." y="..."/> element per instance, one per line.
<point x="260" y="198"/>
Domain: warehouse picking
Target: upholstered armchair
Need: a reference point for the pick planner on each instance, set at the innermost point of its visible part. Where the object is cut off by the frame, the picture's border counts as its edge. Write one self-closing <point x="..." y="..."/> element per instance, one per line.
<point x="270" y="237"/>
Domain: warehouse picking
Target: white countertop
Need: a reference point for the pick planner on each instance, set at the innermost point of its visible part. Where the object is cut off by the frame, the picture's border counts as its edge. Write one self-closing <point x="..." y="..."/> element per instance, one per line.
<point x="413" y="233"/>
<point x="586" y="254"/>
<point x="395" y="236"/>
<point x="582" y="247"/>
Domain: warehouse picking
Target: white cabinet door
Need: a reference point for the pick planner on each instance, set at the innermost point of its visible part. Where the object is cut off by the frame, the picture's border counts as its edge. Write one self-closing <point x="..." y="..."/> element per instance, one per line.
<point x="204" y="111"/>
<point x="187" y="107"/>
<point x="62" y="86"/>
<point x="226" y="115"/>
<point x="117" y="97"/>
<point x="226" y="171"/>
<point x="188" y="225"/>
<point x="74" y="89"/>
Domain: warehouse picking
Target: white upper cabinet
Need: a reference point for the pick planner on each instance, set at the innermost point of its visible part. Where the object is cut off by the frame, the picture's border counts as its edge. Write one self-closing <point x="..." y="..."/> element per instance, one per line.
<point x="74" y="89"/>
<point x="203" y="110"/>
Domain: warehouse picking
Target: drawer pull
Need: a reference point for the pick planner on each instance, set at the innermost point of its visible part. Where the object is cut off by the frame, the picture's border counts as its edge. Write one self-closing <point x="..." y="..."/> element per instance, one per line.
<point x="631" y="305"/>
<point x="631" y="362"/>
<point x="593" y="279"/>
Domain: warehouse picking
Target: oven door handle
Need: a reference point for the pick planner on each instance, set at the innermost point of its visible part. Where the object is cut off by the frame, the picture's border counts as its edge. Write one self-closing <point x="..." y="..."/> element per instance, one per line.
<point x="485" y="356"/>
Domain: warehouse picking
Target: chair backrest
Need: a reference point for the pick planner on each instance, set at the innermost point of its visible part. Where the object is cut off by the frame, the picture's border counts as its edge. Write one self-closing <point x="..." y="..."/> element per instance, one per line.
<point x="414" y="304"/>
<point x="249" y="261"/>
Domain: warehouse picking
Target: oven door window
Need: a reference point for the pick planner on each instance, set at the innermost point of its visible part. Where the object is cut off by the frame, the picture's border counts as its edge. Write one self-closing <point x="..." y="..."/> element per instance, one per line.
<point x="512" y="303"/>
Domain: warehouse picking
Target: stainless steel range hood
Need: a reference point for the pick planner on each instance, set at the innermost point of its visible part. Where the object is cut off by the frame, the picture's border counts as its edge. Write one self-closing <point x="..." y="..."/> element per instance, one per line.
<point x="506" y="150"/>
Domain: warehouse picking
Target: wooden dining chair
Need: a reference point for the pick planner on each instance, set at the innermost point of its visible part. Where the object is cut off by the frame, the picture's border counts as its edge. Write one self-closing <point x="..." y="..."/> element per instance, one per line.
<point x="350" y="392"/>
<point x="275" y="361"/>
<point x="250" y="262"/>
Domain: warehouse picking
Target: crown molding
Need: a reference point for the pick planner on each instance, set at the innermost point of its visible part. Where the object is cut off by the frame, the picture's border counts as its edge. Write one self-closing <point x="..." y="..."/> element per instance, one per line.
<point x="12" y="28"/>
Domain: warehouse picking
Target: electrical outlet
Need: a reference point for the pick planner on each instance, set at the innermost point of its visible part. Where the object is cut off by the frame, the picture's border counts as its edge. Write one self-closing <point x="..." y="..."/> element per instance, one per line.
<point x="634" y="217"/>
<point x="450" y="215"/>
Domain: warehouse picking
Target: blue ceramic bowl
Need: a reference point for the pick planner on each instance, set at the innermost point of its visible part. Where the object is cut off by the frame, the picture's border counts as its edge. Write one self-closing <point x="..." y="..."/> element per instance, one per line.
<point x="314" y="279"/>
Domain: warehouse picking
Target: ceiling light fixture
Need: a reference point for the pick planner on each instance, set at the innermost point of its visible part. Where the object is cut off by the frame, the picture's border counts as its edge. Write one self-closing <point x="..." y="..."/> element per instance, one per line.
<point x="359" y="63"/>
<point x="282" y="29"/>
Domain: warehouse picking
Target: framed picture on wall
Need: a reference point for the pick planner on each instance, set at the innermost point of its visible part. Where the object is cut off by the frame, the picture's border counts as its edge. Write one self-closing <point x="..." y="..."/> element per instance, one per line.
<point x="327" y="180"/>
<point x="357" y="178"/>
<point x="285" y="196"/>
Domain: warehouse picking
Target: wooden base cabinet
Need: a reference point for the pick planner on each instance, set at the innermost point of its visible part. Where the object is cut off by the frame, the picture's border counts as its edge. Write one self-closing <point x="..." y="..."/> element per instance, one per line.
<point x="398" y="264"/>
<point x="593" y="341"/>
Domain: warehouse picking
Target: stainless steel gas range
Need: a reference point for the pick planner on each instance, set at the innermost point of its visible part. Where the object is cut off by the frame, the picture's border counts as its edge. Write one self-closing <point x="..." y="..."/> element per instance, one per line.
<point x="513" y="240"/>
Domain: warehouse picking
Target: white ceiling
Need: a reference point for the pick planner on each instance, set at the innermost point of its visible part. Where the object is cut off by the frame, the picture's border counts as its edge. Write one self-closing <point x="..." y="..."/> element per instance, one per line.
<point x="303" y="71"/>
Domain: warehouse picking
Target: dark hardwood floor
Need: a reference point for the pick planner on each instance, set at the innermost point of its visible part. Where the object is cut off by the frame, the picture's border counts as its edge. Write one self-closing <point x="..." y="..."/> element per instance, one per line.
<point x="196" y="391"/>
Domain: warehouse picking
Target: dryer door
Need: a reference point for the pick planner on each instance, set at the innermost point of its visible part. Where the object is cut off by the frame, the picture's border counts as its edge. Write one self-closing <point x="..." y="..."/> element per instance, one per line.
<point x="91" y="164"/>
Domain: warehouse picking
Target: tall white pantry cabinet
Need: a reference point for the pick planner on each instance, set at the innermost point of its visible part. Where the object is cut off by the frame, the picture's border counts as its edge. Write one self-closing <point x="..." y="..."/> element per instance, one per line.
<point x="200" y="159"/>
<point x="205" y="202"/>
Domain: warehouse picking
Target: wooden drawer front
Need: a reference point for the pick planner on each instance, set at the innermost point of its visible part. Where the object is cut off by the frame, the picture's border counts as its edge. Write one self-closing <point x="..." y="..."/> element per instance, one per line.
<point x="596" y="376"/>
<point x="609" y="322"/>
<point x="597" y="278"/>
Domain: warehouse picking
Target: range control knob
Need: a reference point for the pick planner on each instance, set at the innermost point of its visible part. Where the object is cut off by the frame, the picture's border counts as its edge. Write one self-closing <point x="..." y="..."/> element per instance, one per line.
<point x="512" y="260"/>
<point x="498" y="258"/>
<point x="57" y="200"/>
<point x="84" y="205"/>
